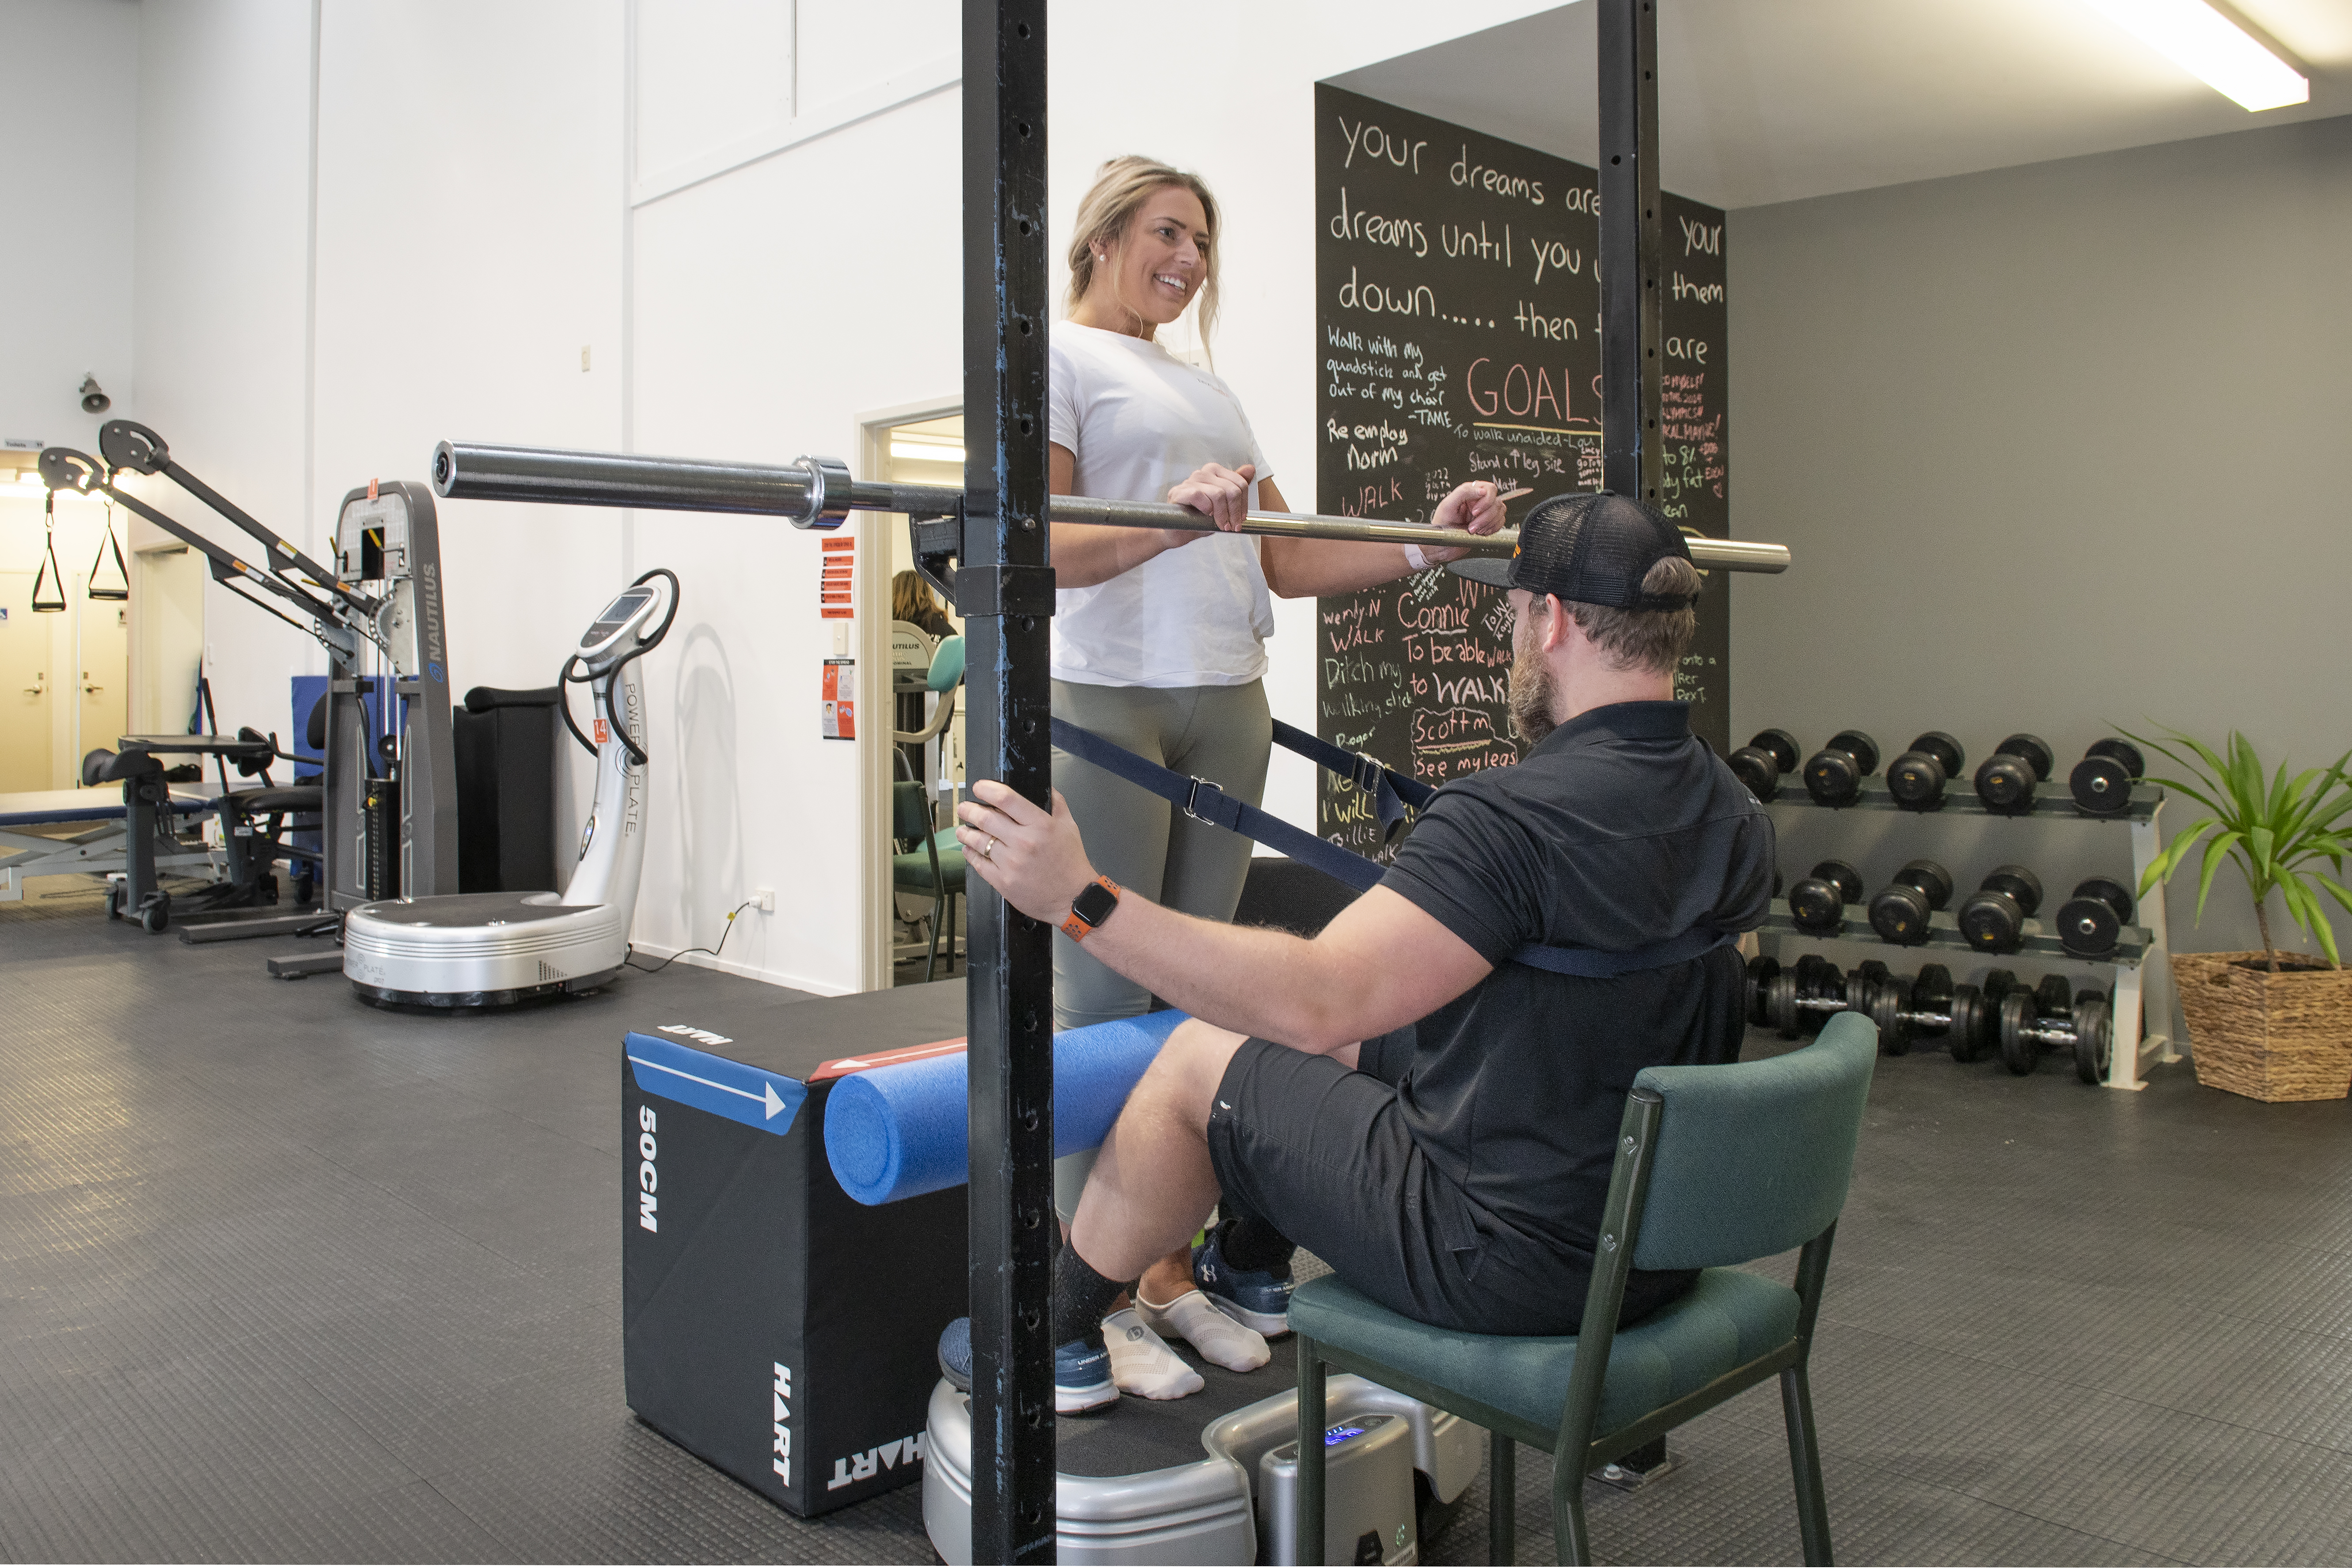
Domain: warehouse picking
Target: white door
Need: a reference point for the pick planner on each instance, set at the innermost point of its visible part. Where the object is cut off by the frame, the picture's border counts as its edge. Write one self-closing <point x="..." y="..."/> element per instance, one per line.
<point x="25" y="687"/>
<point x="105" y="709"/>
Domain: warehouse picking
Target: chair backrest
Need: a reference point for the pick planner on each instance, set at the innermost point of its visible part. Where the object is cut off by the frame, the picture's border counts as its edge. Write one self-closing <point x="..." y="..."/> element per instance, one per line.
<point x="910" y="811"/>
<point x="1753" y="1158"/>
<point x="946" y="664"/>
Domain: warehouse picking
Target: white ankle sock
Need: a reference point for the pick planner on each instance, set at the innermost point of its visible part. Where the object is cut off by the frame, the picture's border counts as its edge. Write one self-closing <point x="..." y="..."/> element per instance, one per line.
<point x="1140" y="1362"/>
<point x="1194" y="1318"/>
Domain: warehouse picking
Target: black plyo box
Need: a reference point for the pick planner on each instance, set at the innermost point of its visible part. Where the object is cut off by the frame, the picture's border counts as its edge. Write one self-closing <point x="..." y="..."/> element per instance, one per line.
<point x="771" y="1325"/>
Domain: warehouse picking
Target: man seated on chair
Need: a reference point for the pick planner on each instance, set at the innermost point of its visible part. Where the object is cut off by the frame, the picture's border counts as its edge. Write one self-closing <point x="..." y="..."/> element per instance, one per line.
<point x="1432" y="1116"/>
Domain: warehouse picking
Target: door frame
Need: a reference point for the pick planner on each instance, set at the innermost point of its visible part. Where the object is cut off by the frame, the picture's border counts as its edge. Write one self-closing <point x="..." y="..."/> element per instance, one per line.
<point x="870" y="646"/>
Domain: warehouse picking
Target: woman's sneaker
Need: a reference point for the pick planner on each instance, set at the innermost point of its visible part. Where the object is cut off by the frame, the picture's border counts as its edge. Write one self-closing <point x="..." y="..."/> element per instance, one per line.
<point x="1194" y="1318"/>
<point x="1140" y="1362"/>
<point x="1257" y="1297"/>
<point x="1082" y="1380"/>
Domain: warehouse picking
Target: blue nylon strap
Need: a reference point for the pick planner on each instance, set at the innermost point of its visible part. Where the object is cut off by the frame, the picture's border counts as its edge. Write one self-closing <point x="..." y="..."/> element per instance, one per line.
<point x="1202" y="798"/>
<point x="1390" y="791"/>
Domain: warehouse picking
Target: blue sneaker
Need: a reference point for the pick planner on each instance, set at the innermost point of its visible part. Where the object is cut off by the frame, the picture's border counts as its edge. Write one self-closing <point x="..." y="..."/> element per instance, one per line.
<point x="1081" y="1372"/>
<point x="1257" y="1297"/>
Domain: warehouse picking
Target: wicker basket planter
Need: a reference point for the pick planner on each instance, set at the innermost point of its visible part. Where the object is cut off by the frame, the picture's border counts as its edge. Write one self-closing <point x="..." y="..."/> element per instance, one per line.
<point x="2268" y="1037"/>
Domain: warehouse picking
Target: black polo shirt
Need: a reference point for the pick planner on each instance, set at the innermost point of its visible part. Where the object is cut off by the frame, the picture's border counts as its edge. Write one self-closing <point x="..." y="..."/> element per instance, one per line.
<point x="1621" y="829"/>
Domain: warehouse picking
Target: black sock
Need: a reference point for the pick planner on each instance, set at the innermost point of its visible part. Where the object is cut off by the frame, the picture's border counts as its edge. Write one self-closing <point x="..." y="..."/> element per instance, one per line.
<point x="1081" y="1297"/>
<point x="1249" y="1243"/>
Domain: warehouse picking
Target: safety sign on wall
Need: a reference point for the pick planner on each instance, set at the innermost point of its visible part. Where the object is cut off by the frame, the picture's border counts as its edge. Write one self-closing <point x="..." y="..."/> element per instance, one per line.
<point x="832" y="589"/>
<point x="840" y="699"/>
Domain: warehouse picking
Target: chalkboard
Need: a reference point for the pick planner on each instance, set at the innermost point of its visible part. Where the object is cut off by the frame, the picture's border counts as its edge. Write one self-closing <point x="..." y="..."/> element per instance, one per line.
<point x="1458" y="338"/>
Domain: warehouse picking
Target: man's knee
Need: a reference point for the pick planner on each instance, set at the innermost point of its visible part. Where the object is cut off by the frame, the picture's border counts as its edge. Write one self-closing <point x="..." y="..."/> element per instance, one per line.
<point x="1184" y="1076"/>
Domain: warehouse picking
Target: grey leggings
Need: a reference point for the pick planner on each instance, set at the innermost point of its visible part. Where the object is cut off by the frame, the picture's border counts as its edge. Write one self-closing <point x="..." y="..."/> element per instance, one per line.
<point x="1140" y="842"/>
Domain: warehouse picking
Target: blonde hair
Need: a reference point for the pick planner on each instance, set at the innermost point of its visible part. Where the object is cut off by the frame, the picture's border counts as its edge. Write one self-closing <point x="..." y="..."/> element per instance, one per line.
<point x="1648" y="640"/>
<point x="1121" y="187"/>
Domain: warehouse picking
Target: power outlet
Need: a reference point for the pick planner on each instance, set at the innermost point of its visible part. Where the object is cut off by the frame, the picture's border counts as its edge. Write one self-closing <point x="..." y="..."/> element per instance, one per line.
<point x="765" y="899"/>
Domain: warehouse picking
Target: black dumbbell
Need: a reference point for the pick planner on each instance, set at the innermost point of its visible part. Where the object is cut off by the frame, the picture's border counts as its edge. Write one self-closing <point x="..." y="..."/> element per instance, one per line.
<point x="2091" y="922"/>
<point x="1975" y="1015"/>
<point x="2083" y="1024"/>
<point x="2006" y="780"/>
<point x="1916" y="779"/>
<point x="1760" y="971"/>
<point x="1817" y="902"/>
<point x="2102" y="783"/>
<point x="1993" y="917"/>
<point x="1761" y="762"/>
<point x="1903" y="1013"/>
<point x="1794" y="1001"/>
<point x="1900" y="913"/>
<point x="1834" y="775"/>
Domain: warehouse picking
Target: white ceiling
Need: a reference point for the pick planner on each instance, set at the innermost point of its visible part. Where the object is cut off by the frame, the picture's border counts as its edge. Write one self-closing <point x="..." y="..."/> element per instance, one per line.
<point x="1772" y="100"/>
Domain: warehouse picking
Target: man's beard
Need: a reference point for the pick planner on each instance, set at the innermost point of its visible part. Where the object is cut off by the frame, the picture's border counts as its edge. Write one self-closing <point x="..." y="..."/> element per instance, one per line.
<point x="1530" y="690"/>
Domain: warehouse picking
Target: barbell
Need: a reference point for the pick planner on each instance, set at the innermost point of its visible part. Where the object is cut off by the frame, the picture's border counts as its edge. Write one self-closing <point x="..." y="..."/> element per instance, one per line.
<point x="818" y="493"/>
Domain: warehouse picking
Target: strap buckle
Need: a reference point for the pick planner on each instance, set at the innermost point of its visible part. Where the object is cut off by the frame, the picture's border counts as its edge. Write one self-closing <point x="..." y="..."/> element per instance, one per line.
<point x="1192" y="797"/>
<point x="1369" y="773"/>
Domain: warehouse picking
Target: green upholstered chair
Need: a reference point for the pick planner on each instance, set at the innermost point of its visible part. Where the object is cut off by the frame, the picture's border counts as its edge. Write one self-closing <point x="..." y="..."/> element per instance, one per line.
<point x="945" y="676"/>
<point x="933" y="868"/>
<point x="1716" y="1167"/>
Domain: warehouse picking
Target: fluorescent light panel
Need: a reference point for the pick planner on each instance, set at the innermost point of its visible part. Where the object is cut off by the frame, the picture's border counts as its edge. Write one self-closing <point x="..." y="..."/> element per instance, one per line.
<point x="925" y="451"/>
<point x="2211" y="47"/>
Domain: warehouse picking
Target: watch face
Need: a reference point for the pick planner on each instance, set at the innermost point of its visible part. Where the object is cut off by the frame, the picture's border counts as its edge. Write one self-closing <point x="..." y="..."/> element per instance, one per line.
<point x="1095" y="903"/>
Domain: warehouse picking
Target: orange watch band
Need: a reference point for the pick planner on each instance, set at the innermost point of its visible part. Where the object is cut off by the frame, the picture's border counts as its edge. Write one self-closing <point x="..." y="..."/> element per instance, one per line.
<point x="1077" y="927"/>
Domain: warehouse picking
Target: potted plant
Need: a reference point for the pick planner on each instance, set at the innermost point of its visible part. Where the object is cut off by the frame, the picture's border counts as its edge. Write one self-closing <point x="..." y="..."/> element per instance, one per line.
<point x="2265" y="1025"/>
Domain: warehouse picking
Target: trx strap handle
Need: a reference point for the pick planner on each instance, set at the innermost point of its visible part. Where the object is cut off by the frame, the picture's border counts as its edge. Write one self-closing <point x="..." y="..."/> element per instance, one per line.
<point x="1203" y="801"/>
<point x="49" y="572"/>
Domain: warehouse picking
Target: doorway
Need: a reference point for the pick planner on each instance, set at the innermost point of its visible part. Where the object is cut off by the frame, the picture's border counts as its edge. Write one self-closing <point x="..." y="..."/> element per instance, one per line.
<point x="63" y="654"/>
<point x="920" y="443"/>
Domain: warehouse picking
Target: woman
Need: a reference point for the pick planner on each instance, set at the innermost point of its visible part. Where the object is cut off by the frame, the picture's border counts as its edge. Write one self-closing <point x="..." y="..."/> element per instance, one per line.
<point x="1158" y="637"/>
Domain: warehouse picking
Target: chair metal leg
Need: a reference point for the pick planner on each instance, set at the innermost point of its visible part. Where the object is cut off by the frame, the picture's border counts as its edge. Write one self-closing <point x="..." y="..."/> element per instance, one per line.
<point x="1308" y="1547"/>
<point x="1502" y="1499"/>
<point x="1805" y="1465"/>
<point x="931" y="962"/>
<point x="1571" y="1539"/>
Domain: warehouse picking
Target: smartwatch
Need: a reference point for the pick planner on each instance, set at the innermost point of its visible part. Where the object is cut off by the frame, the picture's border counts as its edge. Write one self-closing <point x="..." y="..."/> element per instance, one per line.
<point x="1091" y="908"/>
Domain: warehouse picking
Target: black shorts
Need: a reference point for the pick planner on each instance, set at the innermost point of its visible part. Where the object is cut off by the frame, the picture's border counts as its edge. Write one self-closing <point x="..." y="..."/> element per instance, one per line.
<point x="1323" y="1155"/>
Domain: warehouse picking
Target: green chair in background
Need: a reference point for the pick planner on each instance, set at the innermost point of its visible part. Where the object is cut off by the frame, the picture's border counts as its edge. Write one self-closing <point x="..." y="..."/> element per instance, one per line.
<point x="1716" y="1167"/>
<point x="933" y="868"/>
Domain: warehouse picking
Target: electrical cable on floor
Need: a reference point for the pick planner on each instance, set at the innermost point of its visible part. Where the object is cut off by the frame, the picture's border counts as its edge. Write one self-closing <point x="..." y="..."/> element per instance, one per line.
<point x="682" y="952"/>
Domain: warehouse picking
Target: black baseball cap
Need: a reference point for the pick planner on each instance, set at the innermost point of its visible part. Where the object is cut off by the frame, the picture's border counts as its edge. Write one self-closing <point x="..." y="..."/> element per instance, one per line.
<point x="1590" y="549"/>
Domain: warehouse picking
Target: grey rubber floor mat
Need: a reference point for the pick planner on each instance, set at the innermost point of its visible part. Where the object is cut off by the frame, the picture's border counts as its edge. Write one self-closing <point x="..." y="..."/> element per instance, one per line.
<point x="286" y="1277"/>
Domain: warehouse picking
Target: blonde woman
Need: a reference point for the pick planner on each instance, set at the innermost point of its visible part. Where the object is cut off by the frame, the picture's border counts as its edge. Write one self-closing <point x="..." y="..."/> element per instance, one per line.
<point x="1159" y="637"/>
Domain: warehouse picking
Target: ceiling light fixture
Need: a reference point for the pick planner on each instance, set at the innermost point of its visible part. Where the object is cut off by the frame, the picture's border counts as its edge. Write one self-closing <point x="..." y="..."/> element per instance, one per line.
<point x="2211" y="47"/>
<point x="925" y="452"/>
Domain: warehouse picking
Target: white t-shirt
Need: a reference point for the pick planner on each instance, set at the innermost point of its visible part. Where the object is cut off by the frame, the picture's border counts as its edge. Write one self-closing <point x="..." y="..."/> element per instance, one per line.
<point x="1139" y="420"/>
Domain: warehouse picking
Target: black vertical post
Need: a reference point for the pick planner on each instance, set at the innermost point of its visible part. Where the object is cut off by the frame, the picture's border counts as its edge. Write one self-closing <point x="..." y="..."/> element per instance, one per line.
<point x="1006" y="593"/>
<point x="1630" y="456"/>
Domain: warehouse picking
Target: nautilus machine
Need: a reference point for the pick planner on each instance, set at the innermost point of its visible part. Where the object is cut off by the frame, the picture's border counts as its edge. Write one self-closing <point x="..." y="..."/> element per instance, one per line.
<point x="491" y="949"/>
<point x="1205" y="1480"/>
<point x="387" y="798"/>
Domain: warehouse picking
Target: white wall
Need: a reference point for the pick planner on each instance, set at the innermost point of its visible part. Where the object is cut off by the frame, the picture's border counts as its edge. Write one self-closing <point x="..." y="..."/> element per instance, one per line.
<point x="749" y="215"/>
<point x="219" y="302"/>
<point x="69" y="120"/>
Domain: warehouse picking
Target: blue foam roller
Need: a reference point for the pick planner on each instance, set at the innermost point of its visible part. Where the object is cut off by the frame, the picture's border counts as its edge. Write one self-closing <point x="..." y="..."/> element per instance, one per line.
<point x="901" y="1130"/>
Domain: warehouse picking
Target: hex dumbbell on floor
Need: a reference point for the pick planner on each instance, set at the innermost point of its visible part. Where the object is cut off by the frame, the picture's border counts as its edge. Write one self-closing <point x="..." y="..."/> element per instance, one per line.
<point x="1796" y="1000"/>
<point x="1993" y="917"/>
<point x="2084" y="1026"/>
<point x="1916" y="779"/>
<point x="1760" y="763"/>
<point x="2102" y="783"/>
<point x="2007" y="780"/>
<point x="2091" y="922"/>
<point x="1818" y="902"/>
<point x="1901" y="911"/>
<point x="1975" y="1015"/>
<point x="1834" y="775"/>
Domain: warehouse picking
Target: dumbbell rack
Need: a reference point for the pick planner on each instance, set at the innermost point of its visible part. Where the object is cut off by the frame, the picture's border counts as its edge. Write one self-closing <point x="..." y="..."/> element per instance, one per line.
<point x="2141" y="963"/>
